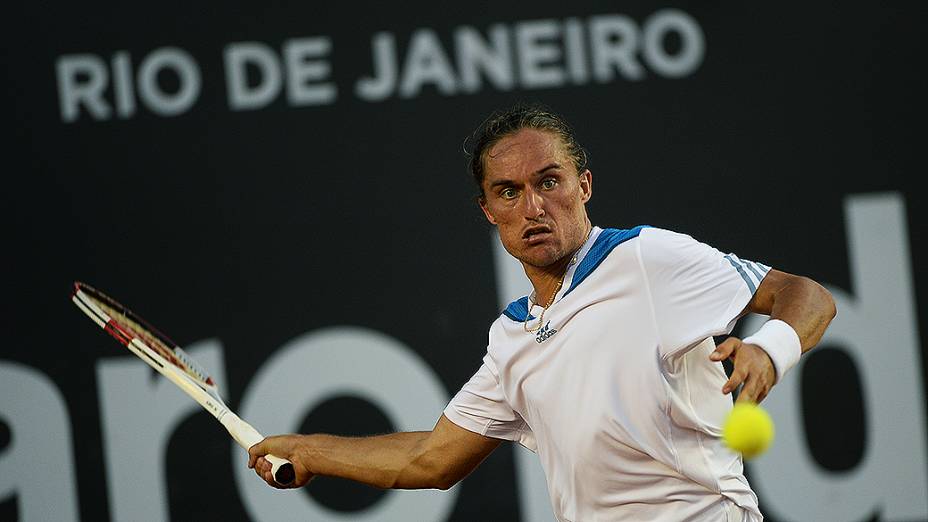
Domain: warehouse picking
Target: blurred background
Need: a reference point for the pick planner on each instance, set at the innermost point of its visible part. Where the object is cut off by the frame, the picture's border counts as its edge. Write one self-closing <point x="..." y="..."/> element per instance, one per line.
<point x="283" y="189"/>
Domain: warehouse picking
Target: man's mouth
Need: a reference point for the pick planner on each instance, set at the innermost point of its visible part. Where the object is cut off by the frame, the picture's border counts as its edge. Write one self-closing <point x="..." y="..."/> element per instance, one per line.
<point x="536" y="233"/>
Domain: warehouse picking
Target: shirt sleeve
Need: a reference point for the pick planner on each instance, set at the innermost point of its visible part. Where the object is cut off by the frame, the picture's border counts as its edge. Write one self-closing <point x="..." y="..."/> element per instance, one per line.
<point x="481" y="407"/>
<point x="696" y="291"/>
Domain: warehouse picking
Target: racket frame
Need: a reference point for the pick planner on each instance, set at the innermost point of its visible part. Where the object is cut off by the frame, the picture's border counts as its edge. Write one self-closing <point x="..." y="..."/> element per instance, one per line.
<point x="205" y="394"/>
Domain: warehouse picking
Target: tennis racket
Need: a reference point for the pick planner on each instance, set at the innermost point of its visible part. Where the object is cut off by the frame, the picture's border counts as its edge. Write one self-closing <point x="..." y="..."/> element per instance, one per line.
<point x="170" y="360"/>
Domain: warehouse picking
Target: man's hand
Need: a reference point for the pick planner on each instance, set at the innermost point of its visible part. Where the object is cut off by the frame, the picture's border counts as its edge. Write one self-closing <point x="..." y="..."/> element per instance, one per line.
<point x="285" y="447"/>
<point x="752" y="367"/>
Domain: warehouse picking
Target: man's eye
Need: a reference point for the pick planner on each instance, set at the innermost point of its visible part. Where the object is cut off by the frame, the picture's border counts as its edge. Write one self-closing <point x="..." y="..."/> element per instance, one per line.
<point x="508" y="193"/>
<point x="549" y="183"/>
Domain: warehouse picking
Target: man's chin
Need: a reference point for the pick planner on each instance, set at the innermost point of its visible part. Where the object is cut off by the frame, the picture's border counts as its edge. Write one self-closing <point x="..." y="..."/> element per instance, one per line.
<point x="540" y="257"/>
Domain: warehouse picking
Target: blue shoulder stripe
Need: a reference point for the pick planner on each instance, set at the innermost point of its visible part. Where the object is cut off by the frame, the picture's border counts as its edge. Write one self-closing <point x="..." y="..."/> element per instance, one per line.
<point x="608" y="239"/>
<point x="518" y="310"/>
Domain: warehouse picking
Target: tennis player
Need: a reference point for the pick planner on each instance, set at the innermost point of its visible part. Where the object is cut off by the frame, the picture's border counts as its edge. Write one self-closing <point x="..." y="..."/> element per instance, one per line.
<point x="608" y="370"/>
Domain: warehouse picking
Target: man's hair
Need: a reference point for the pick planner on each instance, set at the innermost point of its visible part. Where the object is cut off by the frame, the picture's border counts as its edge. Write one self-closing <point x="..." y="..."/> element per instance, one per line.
<point x="509" y="121"/>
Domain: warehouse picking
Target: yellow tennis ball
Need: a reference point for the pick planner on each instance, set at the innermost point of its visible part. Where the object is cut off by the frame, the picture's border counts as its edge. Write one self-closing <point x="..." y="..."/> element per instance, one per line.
<point x="748" y="429"/>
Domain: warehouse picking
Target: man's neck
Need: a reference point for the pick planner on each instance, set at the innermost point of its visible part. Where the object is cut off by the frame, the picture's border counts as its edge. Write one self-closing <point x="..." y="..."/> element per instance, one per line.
<point x="546" y="281"/>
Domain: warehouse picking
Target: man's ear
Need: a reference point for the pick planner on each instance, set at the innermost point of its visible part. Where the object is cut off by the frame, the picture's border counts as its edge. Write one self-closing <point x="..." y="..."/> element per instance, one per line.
<point x="482" y="201"/>
<point x="586" y="185"/>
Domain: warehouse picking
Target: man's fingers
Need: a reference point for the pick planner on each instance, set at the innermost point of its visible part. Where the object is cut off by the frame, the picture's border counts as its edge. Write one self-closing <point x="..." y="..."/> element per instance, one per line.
<point x="255" y="452"/>
<point x="737" y="377"/>
<point x="762" y="395"/>
<point x="750" y="391"/>
<point x="755" y="389"/>
<point x="263" y="470"/>
<point x="726" y="349"/>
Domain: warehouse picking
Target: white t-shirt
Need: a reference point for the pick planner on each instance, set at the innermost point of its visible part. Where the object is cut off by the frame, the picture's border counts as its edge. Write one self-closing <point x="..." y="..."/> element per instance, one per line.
<point x="616" y="392"/>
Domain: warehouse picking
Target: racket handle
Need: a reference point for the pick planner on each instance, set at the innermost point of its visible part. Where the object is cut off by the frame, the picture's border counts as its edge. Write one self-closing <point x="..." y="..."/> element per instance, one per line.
<point x="282" y="469"/>
<point x="247" y="436"/>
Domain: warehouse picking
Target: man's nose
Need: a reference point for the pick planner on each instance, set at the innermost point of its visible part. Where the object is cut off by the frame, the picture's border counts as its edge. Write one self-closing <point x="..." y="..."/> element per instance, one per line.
<point x="534" y="205"/>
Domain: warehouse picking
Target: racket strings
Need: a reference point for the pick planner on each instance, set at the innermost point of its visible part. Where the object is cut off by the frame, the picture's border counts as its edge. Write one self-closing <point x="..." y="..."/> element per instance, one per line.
<point x="176" y="357"/>
<point x="191" y="365"/>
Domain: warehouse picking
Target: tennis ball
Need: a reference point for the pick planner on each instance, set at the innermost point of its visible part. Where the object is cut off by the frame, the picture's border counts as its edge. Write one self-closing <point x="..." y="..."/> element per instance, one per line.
<point x="748" y="429"/>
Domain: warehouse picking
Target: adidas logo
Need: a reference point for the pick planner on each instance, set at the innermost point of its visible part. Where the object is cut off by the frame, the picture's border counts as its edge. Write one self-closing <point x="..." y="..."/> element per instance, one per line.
<point x="545" y="332"/>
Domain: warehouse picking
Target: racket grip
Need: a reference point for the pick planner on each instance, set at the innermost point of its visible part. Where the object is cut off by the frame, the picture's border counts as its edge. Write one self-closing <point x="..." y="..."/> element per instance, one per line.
<point x="247" y="436"/>
<point x="282" y="469"/>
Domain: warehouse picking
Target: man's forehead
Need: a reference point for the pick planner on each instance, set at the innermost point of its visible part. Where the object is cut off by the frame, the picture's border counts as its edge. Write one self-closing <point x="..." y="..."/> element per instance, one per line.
<point x="527" y="147"/>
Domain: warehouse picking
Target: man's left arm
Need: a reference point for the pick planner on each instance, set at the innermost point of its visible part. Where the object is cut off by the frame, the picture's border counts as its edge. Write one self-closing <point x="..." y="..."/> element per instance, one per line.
<point x="800" y="310"/>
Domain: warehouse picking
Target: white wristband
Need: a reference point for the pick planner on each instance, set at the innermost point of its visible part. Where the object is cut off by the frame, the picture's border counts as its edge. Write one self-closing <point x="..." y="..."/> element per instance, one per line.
<point x="781" y="343"/>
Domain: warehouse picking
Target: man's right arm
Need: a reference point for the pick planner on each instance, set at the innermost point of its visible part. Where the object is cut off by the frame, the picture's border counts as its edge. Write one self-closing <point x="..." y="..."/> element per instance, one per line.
<point x="408" y="460"/>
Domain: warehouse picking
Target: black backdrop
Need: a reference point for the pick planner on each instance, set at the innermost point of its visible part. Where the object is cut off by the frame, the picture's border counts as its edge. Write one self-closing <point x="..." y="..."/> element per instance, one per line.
<point x="257" y="226"/>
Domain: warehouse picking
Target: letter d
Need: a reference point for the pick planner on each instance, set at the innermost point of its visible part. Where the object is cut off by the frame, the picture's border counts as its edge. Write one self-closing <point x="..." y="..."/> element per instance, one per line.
<point x="237" y="57"/>
<point x="877" y="327"/>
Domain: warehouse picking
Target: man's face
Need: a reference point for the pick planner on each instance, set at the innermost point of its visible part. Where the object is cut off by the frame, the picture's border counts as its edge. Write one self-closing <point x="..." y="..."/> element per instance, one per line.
<point x="534" y="195"/>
